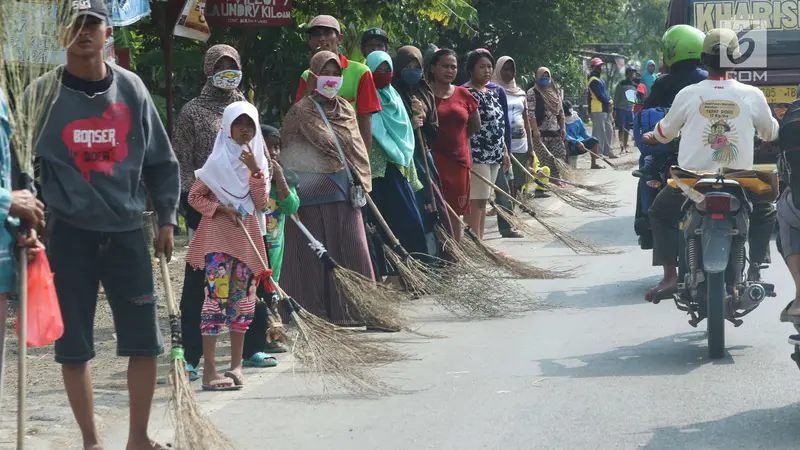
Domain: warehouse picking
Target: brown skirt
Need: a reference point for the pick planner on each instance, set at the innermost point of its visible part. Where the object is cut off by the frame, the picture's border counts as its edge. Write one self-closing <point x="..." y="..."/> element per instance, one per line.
<point x="340" y="228"/>
<point x="556" y="148"/>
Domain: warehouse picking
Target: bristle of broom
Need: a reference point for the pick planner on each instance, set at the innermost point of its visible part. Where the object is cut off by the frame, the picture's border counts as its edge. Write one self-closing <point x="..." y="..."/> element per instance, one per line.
<point x="514" y="220"/>
<point x="566" y="171"/>
<point x="377" y="304"/>
<point x="526" y="270"/>
<point x="339" y="357"/>
<point x="575" y="244"/>
<point x="628" y="165"/>
<point x="189" y="418"/>
<point x="583" y="203"/>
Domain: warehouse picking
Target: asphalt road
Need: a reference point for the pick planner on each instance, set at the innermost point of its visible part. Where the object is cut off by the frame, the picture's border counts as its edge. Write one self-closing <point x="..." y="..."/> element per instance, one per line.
<point x="602" y="369"/>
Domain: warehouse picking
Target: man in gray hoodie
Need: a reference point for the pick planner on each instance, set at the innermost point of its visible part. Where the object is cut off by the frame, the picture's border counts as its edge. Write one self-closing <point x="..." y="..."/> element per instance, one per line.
<point x="102" y="145"/>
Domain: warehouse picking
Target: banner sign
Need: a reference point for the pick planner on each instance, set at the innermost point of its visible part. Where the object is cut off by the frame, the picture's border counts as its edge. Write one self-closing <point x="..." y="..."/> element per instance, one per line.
<point x="191" y="23"/>
<point x="128" y="12"/>
<point x="31" y="33"/>
<point x="776" y="15"/>
<point x="249" y="13"/>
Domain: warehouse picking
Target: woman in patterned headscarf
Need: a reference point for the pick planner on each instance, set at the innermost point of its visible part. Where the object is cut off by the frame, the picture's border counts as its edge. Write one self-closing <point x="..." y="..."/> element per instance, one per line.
<point x="195" y="132"/>
<point x="547" y="121"/>
<point x="309" y="148"/>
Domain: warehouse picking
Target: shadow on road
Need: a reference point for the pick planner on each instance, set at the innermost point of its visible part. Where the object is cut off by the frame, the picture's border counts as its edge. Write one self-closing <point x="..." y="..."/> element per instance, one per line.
<point x="616" y="293"/>
<point x="605" y="232"/>
<point x="678" y="354"/>
<point x="774" y="428"/>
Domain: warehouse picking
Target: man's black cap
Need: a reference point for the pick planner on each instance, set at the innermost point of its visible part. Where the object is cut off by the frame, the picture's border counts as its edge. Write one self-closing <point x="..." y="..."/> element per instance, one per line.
<point x="374" y="33"/>
<point x="93" y="8"/>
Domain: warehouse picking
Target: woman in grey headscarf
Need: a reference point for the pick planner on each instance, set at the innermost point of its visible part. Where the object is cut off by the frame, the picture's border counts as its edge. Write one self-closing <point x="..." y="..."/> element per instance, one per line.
<point x="193" y="140"/>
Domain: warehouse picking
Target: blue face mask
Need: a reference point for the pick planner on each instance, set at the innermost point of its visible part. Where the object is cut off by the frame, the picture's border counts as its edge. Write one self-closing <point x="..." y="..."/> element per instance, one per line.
<point x="411" y="76"/>
<point x="545" y="81"/>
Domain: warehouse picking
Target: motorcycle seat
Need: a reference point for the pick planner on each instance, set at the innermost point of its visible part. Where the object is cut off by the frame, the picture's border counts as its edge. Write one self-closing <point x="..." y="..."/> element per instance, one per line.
<point x="760" y="183"/>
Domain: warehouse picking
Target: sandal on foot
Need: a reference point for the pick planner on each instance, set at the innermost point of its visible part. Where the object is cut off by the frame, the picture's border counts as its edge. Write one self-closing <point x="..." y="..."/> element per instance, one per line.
<point x="259" y="359"/>
<point x="275" y="347"/>
<point x="191" y="372"/>
<point x="237" y="381"/>
<point x="227" y="384"/>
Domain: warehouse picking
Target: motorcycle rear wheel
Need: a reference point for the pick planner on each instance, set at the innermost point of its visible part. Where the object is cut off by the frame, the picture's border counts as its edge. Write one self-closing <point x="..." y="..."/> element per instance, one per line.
<point x="715" y="299"/>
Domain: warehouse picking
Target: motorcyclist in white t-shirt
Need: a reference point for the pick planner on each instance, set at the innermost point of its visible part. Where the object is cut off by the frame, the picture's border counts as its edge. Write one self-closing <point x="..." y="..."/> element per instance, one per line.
<point x="717" y="119"/>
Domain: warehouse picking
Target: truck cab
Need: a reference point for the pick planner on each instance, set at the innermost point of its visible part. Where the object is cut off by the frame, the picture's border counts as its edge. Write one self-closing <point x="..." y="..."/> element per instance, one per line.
<point x="778" y="79"/>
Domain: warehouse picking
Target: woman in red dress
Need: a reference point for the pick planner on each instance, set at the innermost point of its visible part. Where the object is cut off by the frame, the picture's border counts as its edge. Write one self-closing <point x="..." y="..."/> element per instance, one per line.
<point x="458" y="121"/>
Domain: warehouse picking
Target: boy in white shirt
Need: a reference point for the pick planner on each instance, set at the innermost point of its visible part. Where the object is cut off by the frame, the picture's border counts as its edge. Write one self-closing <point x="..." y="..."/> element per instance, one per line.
<point x="717" y="120"/>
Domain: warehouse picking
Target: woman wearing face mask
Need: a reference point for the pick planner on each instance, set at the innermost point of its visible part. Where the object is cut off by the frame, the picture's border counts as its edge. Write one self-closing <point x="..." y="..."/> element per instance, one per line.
<point x="420" y="104"/>
<point x="489" y="147"/>
<point x="195" y="133"/>
<point x="394" y="176"/>
<point x="459" y="120"/>
<point x="309" y="149"/>
<point x="547" y="121"/>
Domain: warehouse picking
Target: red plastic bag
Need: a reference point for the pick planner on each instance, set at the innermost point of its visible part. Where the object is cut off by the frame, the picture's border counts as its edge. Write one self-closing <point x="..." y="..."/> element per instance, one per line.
<point x="45" y="324"/>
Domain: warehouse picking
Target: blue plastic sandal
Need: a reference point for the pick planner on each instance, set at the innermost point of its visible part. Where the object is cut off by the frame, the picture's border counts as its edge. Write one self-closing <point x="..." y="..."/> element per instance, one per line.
<point x="261" y="359"/>
<point x="192" y="372"/>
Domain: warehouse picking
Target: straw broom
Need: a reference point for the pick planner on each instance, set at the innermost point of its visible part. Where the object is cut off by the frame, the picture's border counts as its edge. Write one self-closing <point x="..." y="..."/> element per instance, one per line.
<point x="193" y="428"/>
<point x="377" y="304"/>
<point x="325" y="349"/>
<point x="561" y="165"/>
<point x="603" y="188"/>
<point x="446" y="283"/>
<point x="28" y="111"/>
<point x="576" y="245"/>
<point x="573" y="199"/>
<point x="475" y="249"/>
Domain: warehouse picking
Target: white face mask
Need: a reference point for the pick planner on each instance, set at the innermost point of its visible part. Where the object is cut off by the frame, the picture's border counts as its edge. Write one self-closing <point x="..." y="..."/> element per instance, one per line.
<point x="227" y="80"/>
<point x="328" y="86"/>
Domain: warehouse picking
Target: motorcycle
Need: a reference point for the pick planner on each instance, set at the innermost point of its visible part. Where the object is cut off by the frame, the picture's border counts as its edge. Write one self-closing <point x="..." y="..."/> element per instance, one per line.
<point x="711" y="264"/>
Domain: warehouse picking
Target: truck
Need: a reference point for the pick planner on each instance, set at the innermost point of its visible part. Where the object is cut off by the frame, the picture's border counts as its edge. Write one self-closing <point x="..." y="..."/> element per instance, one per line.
<point x="778" y="74"/>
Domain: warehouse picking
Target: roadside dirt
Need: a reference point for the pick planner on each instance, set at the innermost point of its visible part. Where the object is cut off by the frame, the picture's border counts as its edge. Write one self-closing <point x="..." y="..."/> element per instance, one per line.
<point x="50" y="421"/>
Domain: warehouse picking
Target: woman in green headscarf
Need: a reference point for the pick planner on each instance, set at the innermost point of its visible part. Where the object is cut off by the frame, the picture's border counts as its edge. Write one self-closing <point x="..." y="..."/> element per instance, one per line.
<point x="394" y="177"/>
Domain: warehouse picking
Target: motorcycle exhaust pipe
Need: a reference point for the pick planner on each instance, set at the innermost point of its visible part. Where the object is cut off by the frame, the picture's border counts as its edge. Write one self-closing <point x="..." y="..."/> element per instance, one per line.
<point x="751" y="297"/>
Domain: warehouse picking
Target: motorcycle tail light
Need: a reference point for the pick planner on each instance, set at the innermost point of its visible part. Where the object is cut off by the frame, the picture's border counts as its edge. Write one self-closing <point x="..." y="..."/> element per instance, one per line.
<point x="655" y="184"/>
<point x="717" y="203"/>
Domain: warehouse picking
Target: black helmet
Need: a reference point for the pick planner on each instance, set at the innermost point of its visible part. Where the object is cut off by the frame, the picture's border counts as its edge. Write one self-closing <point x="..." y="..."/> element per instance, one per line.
<point x="374" y="33"/>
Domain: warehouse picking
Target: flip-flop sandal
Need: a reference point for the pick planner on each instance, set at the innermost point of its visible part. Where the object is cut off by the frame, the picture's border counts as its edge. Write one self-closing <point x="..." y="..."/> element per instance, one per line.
<point x="660" y="294"/>
<point x="192" y="372"/>
<point x="219" y="386"/>
<point x="794" y="339"/>
<point x="275" y="347"/>
<point x="236" y="380"/>
<point x="157" y="446"/>
<point x="260" y="359"/>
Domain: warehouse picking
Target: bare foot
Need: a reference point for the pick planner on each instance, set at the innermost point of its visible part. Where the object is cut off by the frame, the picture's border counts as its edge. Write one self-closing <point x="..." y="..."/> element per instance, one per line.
<point x="214" y="378"/>
<point x="667" y="285"/>
<point x="144" y="444"/>
<point x="794" y="310"/>
<point x="93" y="447"/>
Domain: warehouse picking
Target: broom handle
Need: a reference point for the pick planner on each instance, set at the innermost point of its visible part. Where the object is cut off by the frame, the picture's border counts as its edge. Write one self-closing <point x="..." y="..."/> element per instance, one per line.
<point x="424" y="150"/>
<point x="168" y="292"/>
<point x="264" y="265"/>
<point x="504" y="193"/>
<point x="467" y="230"/>
<point x="22" y="388"/>
<point x="384" y="225"/>
<point x="305" y="231"/>
<point x="603" y="158"/>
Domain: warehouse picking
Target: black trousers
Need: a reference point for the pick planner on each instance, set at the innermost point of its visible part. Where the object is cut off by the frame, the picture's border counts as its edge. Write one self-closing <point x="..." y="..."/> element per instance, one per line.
<point x="666" y="213"/>
<point x="192" y="299"/>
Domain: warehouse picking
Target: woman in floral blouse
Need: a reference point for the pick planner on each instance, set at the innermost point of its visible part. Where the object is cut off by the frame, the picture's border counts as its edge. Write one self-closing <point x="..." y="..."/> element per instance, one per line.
<point x="489" y="150"/>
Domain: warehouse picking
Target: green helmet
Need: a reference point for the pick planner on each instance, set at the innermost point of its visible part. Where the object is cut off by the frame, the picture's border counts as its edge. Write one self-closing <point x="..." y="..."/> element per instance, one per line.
<point x="681" y="43"/>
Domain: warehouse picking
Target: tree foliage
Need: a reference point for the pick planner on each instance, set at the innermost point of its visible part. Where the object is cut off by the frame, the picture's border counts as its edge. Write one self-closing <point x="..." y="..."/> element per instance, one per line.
<point x="534" y="32"/>
<point x="640" y="22"/>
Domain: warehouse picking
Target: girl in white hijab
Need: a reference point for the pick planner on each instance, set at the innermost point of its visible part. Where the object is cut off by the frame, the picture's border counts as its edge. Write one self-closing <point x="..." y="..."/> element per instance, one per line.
<point x="232" y="185"/>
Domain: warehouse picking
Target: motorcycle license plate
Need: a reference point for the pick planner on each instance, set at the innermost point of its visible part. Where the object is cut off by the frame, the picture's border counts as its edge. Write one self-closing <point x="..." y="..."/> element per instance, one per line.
<point x="779" y="94"/>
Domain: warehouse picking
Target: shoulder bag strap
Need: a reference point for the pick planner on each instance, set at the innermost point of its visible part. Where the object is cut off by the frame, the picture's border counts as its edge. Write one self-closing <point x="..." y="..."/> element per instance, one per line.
<point x="335" y="141"/>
